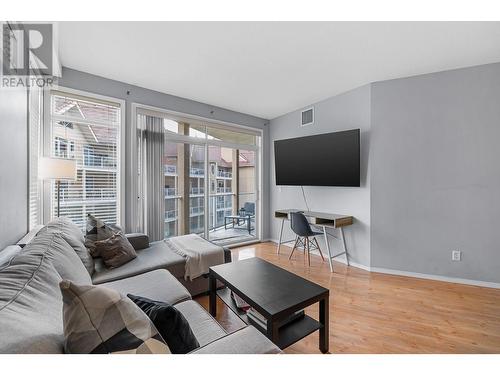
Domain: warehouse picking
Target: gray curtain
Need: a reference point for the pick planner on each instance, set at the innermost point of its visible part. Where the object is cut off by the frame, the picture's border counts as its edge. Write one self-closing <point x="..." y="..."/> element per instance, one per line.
<point x="153" y="141"/>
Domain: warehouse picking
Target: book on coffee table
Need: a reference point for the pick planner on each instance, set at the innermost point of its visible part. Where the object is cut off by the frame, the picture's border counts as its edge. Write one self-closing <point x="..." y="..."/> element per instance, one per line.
<point x="240" y="302"/>
<point x="258" y="318"/>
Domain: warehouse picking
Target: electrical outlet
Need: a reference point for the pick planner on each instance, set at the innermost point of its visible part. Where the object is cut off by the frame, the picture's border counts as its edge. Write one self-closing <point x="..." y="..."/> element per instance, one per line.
<point x="456" y="255"/>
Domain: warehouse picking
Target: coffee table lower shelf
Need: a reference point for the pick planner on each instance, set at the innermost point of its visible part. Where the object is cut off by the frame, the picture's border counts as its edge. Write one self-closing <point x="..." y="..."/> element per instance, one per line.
<point x="288" y="334"/>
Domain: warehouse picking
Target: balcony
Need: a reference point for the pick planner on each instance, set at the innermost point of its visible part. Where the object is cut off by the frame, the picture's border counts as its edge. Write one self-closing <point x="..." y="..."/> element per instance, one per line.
<point x="95" y="161"/>
<point x="170" y="192"/>
<point x="196" y="211"/>
<point x="197" y="172"/>
<point x="170" y="170"/>
<point x="171" y="215"/>
<point x="197" y="191"/>
<point x="224" y="174"/>
<point x="224" y="190"/>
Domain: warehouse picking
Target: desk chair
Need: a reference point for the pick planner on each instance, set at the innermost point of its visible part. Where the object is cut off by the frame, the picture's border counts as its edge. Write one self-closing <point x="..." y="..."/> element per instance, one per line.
<point x="302" y="229"/>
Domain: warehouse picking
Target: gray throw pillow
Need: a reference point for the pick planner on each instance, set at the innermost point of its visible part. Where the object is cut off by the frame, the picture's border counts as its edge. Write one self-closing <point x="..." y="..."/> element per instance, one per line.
<point x="100" y="320"/>
<point x="115" y="251"/>
<point x="96" y="230"/>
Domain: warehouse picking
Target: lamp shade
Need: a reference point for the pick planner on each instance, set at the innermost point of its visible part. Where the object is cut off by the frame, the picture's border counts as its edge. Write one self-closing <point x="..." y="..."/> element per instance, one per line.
<point x="56" y="169"/>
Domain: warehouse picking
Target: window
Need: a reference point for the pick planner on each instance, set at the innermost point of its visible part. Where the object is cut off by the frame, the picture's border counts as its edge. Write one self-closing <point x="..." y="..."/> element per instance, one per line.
<point x="88" y="130"/>
<point x="202" y="162"/>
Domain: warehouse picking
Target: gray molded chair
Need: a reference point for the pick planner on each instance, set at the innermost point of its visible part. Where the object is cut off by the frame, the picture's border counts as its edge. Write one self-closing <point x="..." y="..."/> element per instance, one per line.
<point x="302" y="229"/>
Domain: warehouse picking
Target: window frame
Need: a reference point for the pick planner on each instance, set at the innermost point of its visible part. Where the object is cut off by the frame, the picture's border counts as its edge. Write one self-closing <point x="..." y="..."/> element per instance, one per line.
<point x="121" y="146"/>
<point x="34" y="158"/>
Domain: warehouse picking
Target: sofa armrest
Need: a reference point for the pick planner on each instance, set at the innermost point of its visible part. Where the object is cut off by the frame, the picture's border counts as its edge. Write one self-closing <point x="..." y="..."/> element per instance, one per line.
<point x="247" y="340"/>
<point x="138" y="241"/>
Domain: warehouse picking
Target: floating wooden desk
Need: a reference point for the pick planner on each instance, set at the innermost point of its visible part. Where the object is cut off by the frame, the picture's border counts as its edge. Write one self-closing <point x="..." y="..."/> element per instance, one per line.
<point x="319" y="219"/>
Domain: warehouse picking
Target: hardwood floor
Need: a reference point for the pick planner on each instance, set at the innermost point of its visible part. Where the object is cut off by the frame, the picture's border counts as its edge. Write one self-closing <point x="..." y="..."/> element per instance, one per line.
<point x="379" y="313"/>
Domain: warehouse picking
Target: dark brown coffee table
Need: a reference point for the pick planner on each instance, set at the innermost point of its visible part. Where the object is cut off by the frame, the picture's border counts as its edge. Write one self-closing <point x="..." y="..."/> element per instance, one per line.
<point x="276" y="294"/>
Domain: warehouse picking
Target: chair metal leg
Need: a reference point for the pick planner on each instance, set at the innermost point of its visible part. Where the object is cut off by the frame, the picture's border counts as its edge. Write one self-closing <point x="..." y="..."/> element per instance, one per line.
<point x="319" y="249"/>
<point x="308" y="253"/>
<point x="294" y="246"/>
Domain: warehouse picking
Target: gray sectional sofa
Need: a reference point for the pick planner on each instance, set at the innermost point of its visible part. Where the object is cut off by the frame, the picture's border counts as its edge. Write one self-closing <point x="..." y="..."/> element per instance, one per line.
<point x="152" y="256"/>
<point x="31" y="302"/>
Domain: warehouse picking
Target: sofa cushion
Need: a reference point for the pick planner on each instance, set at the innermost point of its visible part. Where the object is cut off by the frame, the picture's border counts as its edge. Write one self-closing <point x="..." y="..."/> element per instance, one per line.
<point x="63" y="257"/>
<point x="100" y="320"/>
<point x="157" y="285"/>
<point x="74" y="237"/>
<point x="157" y="256"/>
<point x="30" y="304"/>
<point x="204" y="326"/>
<point x="247" y="340"/>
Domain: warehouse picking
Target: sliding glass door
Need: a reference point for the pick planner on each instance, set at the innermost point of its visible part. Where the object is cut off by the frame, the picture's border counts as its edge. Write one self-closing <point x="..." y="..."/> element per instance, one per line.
<point x="209" y="179"/>
<point x="232" y="198"/>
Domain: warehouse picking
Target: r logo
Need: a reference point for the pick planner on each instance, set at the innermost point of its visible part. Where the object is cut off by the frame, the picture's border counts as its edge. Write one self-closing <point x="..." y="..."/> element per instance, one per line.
<point x="27" y="49"/>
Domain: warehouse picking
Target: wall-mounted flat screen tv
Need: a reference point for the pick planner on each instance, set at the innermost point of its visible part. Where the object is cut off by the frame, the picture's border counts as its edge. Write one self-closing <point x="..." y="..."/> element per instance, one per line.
<point x="331" y="159"/>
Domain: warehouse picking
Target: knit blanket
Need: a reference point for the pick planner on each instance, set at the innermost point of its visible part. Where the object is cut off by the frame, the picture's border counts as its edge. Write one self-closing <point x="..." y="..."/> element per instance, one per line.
<point x="199" y="253"/>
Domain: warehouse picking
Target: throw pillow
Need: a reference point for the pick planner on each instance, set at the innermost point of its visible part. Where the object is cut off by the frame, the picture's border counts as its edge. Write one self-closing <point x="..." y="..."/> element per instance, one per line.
<point x="96" y="230"/>
<point x="115" y="251"/>
<point x="100" y="320"/>
<point x="172" y="325"/>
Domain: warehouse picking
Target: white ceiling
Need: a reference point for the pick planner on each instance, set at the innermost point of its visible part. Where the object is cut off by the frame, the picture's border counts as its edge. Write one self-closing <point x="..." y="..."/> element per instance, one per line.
<point x="269" y="69"/>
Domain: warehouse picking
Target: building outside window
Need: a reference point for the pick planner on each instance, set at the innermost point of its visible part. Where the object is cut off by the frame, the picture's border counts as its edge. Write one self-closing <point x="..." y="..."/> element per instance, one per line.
<point x="86" y="129"/>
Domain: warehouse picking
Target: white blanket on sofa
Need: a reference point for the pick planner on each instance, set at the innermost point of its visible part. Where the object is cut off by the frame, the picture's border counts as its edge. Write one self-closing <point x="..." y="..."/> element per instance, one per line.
<point x="200" y="254"/>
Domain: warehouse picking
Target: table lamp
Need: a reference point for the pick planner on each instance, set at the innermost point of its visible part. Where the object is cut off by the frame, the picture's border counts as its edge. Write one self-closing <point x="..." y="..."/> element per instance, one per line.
<point x="57" y="169"/>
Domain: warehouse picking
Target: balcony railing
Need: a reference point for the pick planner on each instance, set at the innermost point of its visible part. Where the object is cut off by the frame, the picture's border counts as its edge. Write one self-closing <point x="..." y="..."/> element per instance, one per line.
<point x="224" y="190"/>
<point x="197" y="190"/>
<point x="193" y="172"/>
<point x="170" y="169"/>
<point x="171" y="215"/>
<point x="197" y="172"/>
<point x="196" y="210"/>
<point x="224" y="174"/>
<point x="93" y="161"/>
<point x="170" y="192"/>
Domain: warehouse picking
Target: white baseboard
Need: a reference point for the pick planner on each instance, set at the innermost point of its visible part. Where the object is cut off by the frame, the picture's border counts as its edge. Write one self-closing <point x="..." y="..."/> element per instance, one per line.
<point x="455" y="280"/>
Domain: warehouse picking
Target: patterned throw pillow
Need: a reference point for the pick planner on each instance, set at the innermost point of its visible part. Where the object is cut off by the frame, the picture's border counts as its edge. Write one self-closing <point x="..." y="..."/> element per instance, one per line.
<point x="115" y="251"/>
<point x="101" y="320"/>
<point x="96" y="230"/>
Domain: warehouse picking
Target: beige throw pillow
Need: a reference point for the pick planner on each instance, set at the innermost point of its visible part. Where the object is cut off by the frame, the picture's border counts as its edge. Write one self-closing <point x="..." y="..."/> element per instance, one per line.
<point x="115" y="251"/>
<point x="100" y="320"/>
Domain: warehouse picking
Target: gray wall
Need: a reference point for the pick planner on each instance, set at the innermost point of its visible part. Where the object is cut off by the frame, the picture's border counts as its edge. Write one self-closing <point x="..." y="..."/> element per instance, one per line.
<point x="347" y="111"/>
<point x="13" y="165"/>
<point x="435" y="166"/>
<point x="87" y="82"/>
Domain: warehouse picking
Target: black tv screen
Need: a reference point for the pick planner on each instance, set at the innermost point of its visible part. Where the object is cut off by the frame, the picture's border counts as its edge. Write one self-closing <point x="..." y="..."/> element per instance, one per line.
<point x="330" y="159"/>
